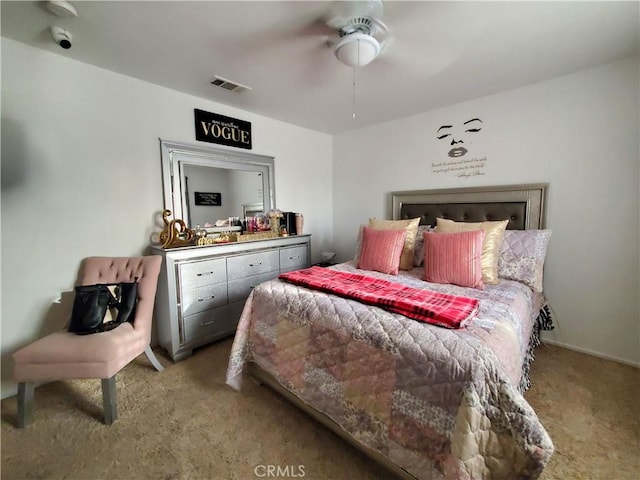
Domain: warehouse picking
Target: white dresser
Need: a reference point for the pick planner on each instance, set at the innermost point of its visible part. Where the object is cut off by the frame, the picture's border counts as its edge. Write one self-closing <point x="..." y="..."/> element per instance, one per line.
<point x="202" y="290"/>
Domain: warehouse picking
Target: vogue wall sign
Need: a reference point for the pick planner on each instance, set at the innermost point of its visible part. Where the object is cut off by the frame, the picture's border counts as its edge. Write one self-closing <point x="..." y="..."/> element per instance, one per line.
<point x="214" y="128"/>
<point x="458" y="139"/>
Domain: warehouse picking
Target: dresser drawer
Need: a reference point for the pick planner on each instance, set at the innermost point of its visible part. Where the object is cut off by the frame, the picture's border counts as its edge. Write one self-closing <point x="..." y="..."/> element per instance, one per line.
<point x="216" y="322"/>
<point x="241" y="288"/>
<point x="205" y="272"/>
<point x="241" y="266"/>
<point x="196" y="300"/>
<point x="293" y="258"/>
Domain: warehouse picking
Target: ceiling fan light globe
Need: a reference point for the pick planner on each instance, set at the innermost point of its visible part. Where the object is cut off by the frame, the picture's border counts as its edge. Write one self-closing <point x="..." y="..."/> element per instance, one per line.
<point x="357" y="49"/>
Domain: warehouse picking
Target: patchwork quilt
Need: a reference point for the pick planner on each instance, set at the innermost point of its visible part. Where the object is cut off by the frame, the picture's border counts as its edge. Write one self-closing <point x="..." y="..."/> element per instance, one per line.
<point x="439" y="403"/>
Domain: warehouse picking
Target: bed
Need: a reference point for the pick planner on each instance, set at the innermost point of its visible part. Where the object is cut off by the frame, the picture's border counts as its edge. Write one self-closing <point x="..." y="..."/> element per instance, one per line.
<point x="424" y="401"/>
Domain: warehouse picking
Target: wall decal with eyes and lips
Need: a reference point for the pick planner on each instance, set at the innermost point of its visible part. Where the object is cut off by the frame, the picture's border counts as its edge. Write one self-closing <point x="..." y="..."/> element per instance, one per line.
<point x="459" y="136"/>
<point x="458" y="139"/>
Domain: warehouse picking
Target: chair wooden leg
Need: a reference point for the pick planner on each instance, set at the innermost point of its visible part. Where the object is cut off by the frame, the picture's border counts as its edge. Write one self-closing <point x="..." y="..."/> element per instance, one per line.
<point x="153" y="359"/>
<point x="25" y="403"/>
<point x="109" y="400"/>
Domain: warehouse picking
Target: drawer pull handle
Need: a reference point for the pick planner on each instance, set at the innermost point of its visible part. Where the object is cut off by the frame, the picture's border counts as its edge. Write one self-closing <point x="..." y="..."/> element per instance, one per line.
<point x="207" y="298"/>
<point x="294" y="258"/>
<point x="206" y="324"/>
<point x="204" y="273"/>
<point x="255" y="264"/>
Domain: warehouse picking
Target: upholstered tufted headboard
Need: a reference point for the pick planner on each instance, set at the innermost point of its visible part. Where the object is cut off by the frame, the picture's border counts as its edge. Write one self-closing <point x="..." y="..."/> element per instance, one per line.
<point x="523" y="205"/>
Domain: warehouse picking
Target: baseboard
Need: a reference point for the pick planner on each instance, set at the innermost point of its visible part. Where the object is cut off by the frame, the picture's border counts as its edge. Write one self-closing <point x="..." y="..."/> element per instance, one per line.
<point x="590" y="352"/>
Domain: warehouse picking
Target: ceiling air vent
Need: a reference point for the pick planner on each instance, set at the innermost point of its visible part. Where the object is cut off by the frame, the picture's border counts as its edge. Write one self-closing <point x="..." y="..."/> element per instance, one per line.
<point x="229" y="85"/>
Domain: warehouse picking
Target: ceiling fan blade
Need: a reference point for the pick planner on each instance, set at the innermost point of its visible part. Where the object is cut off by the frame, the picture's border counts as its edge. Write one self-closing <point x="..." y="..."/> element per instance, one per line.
<point x="357" y="8"/>
<point x="431" y="46"/>
<point x="315" y="26"/>
<point x="341" y="12"/>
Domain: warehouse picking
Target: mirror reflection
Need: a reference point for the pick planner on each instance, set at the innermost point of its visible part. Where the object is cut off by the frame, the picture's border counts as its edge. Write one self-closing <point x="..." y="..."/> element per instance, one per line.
<point x="207" y="186"/>
<point x="215" y="194"/>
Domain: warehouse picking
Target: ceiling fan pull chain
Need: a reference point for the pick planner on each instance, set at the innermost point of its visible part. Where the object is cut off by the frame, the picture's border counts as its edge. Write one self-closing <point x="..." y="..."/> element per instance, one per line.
<point x="353" y="107"/>
<point x="354" y="83"/>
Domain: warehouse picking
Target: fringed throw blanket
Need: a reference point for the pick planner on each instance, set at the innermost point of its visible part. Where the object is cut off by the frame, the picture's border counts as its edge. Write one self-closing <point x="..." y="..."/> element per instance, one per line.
<point x="445" y="310"/>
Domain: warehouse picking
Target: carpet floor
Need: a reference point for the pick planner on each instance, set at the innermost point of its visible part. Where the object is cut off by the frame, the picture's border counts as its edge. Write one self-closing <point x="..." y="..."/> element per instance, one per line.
<point x="185" y="423"/>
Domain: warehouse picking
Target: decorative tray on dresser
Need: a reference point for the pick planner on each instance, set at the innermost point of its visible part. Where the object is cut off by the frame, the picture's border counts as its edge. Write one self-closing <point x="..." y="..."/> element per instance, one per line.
<point x="202" y="290"/>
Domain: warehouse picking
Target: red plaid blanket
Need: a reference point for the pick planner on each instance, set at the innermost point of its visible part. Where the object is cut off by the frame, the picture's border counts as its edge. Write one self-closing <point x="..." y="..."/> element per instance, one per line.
<point x="443" y="309"/>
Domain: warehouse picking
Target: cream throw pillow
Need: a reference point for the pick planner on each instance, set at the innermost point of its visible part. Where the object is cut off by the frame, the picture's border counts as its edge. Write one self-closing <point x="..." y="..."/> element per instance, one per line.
<point x="411" y="226"/>
<point x="493" y="236"/>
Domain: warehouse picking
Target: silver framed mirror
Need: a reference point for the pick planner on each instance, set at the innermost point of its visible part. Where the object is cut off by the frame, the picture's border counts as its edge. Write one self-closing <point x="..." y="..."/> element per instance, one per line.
<point x="208" y="186"/>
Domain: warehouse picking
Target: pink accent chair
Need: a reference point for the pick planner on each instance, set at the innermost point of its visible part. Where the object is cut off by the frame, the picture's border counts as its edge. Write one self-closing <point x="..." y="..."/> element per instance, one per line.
<point x="65" y="356"/>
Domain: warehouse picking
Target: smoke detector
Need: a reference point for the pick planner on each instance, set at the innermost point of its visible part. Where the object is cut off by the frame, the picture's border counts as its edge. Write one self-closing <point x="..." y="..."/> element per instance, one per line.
<point x="62" y="8"/>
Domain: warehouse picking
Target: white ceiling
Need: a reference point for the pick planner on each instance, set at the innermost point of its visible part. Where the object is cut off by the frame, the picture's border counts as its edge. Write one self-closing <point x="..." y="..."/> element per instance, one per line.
<point x="442" y="52"/>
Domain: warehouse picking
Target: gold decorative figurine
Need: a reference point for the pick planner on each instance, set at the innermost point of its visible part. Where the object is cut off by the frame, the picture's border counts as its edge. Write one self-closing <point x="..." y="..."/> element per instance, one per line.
<point x="175" y="233"/>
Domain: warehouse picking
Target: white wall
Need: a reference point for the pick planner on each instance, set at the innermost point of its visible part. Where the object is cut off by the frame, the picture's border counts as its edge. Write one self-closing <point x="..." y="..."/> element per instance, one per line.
<point x="580" y="133"/>
<point x="81" y="176"/>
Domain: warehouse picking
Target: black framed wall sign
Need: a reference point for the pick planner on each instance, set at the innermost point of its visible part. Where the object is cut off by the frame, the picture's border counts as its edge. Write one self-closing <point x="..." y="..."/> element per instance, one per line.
<point x="214" y="128"/>
<point x="208" y="198"/>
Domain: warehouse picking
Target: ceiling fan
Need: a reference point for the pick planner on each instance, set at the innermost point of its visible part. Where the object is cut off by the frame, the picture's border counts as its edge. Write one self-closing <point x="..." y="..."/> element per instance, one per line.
<point x="363" y="35"/>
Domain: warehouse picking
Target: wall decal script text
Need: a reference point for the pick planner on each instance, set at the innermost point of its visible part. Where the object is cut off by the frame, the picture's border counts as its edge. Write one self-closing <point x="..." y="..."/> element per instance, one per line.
<point x="463" y="168"/>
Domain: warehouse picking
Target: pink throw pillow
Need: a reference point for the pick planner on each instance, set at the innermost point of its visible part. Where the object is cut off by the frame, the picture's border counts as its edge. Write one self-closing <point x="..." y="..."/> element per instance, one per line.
<point x="381" y="250"/>
<point x="454" y="258"/>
